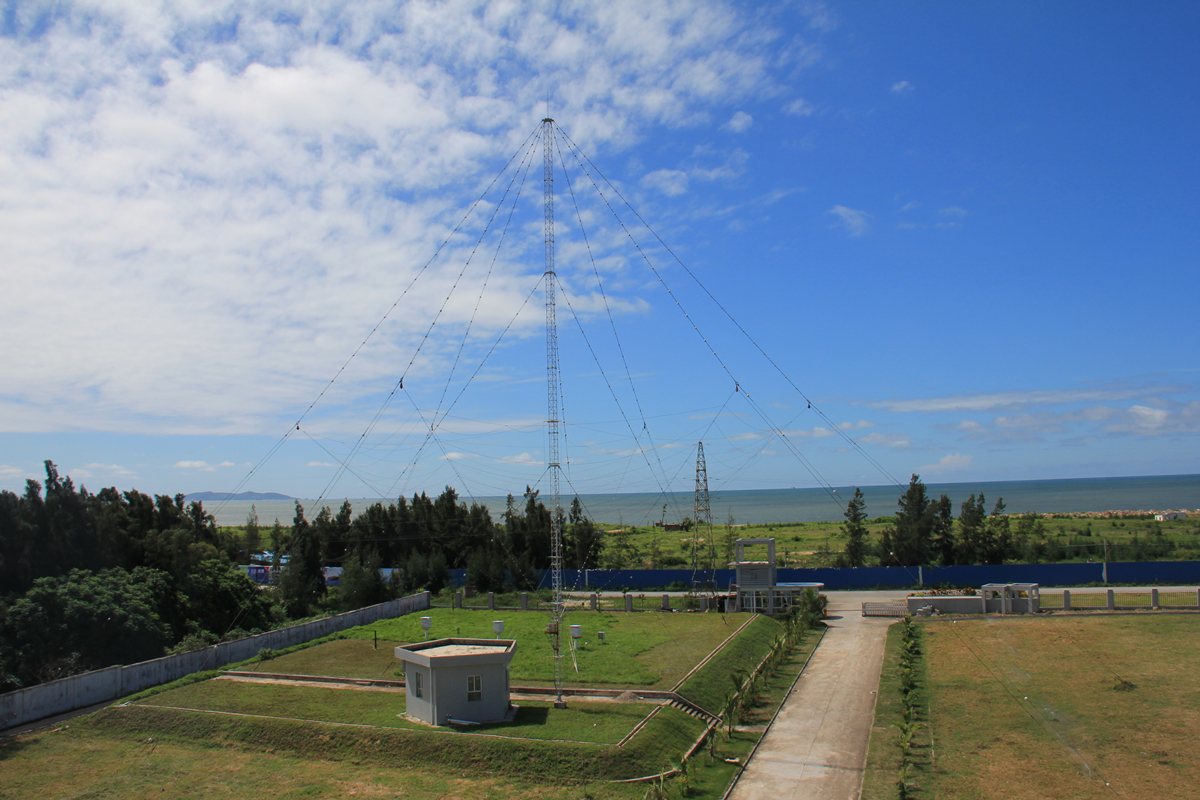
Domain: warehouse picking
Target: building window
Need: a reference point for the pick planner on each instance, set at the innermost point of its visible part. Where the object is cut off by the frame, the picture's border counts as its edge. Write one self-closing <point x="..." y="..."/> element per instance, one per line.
<point x="416" y="684"/>
<point x="474" y="687"/>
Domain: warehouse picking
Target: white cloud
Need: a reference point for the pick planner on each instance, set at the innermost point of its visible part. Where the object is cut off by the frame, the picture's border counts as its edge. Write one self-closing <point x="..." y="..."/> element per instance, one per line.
<point x="947" y="463"/>
<point x="525" y="459"/>
<point x="456" y="456"/>
<point x="7" y="472"/>
<point x="820" y="16"/>
<point x="1137" y="420"/>
<point x="799" y="108"/>
<point x="739" y="122"/>
<point x="252" y="189"/>
<point x="953" y="211"/>
<point x="320" y="464"/>
<point x="855" y="222"/>
<point x="894" y="440"/>
<point x="104" y="471"/>
<point x="671" y="182"/>
<point x="732" y="166"/>
<point x="112" y="469"/>
<point x="1143" y="420"/>
<point x="995" y="401"/>
<point x="202" y="466"/>
<point x="901" y="87"/>
<point x="774" y="196"/>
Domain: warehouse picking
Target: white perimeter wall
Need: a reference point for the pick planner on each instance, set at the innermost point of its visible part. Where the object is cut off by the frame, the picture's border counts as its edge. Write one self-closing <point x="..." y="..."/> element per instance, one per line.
<point x="89" y="688"/>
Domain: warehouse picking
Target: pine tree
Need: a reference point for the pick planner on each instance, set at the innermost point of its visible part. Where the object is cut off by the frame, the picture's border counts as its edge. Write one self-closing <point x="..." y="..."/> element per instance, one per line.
<point x="909" y="542"/>
<point x="943" y="530"/>
<point x="856" y="530"/>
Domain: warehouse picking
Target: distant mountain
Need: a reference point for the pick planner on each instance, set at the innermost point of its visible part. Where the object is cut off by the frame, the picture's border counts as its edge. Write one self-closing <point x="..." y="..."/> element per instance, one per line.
<point x="223" y="496"/>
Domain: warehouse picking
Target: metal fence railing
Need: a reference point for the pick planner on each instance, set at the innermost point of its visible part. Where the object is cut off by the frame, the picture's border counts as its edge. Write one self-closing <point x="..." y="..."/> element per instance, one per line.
<point x="1084" y="599"/>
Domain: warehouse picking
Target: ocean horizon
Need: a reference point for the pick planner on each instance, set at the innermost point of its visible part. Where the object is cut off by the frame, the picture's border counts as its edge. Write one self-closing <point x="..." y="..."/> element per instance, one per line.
<point x="765" y="506"/>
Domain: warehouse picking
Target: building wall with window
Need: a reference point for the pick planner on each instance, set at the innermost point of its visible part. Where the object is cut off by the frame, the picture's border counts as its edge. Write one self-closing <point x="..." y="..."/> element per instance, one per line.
<point x="464" y="680"/>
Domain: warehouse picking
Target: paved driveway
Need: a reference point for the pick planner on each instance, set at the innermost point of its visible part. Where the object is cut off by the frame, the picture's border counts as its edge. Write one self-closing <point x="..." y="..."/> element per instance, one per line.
<point x="818" y="745"/>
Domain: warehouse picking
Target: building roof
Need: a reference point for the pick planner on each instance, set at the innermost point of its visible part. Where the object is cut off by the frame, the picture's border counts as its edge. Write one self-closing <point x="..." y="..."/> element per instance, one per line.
<point x="454" y="652"/>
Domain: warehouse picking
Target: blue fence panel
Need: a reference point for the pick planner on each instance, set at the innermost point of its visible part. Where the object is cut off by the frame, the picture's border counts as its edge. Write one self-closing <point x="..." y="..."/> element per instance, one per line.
<point x="1132" y="572"/>
<point x="1177" y="572"/>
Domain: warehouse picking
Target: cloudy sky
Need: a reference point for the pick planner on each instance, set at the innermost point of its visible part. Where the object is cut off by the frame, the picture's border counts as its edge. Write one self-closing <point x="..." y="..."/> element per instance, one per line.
<point x="953" y="239"/>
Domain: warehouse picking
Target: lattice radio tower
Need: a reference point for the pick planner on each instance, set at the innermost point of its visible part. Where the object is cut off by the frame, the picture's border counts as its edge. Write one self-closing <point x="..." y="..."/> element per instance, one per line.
<point x="553" y="386"/>
<point x="701" y="512"/>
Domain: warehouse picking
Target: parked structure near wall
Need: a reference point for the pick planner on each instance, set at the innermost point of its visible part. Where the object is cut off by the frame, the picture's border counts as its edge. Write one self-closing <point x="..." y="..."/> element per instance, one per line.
<point x="99" y="686"/>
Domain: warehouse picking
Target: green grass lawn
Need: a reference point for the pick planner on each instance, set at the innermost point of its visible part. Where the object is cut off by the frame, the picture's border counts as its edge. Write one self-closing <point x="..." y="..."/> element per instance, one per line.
<point x="651" y="650"/>
<point x="594" y="722"/>
<point x="1029" y="707"/>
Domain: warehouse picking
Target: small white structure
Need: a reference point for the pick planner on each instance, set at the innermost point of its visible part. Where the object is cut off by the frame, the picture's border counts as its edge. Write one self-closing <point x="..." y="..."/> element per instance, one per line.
<point x="994" y="598"/>
<point x="458" y="681"/>
<point x="757" y="588"/>
<point x="1170" y="515"/>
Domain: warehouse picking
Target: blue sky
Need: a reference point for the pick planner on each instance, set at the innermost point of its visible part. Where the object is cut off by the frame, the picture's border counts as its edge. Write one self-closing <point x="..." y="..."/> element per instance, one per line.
<point x="966" y="233"/>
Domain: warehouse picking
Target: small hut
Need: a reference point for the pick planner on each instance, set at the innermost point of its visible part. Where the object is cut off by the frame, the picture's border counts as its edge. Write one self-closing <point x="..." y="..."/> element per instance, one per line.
<point x="458" y="681"/>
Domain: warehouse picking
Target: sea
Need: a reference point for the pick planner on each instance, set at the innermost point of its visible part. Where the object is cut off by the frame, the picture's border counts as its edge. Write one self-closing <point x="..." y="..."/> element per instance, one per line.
<point x="765" y="506"/>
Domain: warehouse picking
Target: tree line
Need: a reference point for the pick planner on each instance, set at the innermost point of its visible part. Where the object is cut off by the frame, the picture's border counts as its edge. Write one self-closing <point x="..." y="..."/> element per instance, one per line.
<point x="925" y="532"/>
<point x="89" y="580"/>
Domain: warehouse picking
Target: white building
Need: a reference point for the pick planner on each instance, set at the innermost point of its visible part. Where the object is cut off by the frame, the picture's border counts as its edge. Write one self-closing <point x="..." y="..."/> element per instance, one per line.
<point x="1170" y="515"/>
<point x="458" y="681"/>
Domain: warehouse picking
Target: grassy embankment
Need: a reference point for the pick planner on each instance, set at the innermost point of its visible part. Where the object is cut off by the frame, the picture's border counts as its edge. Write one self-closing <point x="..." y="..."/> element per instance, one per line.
<point x="1066" y="707"/>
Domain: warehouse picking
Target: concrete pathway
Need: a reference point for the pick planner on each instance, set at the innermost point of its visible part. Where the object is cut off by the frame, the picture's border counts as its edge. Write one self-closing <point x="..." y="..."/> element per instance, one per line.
<point x="818" y="745"/>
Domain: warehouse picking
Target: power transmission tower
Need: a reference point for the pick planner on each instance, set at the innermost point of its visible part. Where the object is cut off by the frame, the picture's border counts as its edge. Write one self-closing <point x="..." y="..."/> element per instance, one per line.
<point x="553" y="386"/>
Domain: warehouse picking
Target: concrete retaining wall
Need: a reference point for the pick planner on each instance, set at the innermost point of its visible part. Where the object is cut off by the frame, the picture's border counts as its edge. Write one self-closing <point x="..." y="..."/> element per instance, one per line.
<point x="89" y="688"/>
<point x="966" y="605"/>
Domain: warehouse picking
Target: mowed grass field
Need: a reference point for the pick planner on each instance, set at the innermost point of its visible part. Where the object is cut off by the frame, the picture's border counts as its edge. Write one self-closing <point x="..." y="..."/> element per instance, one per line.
<point x="650" y="650"/>
<point x="1036" y="707"/>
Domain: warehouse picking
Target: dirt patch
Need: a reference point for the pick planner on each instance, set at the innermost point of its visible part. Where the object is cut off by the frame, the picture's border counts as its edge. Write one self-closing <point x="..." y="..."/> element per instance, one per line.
<point x="313" y="684"/>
